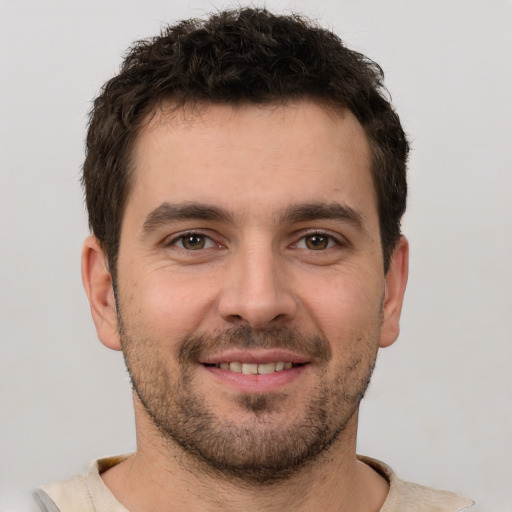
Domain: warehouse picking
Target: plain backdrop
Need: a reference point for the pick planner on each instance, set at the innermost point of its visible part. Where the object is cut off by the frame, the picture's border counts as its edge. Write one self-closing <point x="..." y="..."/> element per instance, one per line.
<point x="439" y="407"/>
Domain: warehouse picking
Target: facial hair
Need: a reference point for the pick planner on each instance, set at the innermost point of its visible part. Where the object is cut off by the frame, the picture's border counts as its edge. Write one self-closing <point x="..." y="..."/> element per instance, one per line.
<point x="255" y="448"/>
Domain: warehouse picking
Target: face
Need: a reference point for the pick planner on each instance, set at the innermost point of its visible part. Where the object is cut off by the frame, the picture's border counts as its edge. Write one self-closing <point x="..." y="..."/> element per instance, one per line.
<point x="251" y="293"/>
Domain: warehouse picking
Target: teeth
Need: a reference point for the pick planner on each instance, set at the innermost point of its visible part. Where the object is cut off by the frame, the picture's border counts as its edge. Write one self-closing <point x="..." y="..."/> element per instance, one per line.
<point x="263" y="369"/>
<point x="250" y="369"/>
<point x="235" y="367"/>
<point x="255" y="369"/>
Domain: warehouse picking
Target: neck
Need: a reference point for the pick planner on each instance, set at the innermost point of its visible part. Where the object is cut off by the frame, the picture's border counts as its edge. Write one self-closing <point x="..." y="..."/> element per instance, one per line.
<point x="161" y="477"/>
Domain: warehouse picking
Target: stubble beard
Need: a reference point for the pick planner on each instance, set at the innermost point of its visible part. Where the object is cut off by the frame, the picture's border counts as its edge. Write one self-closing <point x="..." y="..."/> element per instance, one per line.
<point x="258" y="449"/>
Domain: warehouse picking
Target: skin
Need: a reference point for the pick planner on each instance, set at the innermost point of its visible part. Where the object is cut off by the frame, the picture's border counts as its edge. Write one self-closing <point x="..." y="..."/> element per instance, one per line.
<point x="260" y="270"/>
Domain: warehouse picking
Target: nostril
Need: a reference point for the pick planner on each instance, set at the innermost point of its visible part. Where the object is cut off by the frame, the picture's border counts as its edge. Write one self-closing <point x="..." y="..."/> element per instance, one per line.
<point x="236" y="319"/>
<point x="258" y="311"/>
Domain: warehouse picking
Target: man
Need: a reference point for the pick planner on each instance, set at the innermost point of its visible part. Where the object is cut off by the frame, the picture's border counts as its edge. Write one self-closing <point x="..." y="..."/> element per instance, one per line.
<point x="245" y="181"/>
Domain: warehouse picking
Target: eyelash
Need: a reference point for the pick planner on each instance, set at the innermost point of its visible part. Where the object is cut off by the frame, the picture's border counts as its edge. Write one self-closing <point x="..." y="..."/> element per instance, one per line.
<point x="189" y="234"/>
<point x="332" y="241"/>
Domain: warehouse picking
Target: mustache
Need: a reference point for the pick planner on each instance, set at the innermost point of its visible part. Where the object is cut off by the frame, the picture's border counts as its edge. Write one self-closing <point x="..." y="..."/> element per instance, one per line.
<point x="315" y="347"/>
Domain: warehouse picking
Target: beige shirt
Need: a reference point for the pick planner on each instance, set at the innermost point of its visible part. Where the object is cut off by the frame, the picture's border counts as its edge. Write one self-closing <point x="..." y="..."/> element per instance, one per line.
<point x="88" y="493"/>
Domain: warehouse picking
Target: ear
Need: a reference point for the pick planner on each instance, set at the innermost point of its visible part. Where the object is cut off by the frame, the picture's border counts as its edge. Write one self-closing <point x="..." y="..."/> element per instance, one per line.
<point x="97" y="282"/>
<point x="396" y="281"/>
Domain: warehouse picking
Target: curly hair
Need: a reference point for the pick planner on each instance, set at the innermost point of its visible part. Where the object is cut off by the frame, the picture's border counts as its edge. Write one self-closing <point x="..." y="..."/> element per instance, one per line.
<point x="236" y="57"/>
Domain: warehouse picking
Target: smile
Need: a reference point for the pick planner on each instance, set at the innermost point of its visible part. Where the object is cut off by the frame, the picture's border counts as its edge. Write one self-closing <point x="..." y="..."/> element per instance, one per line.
<point x="256" y="371"/>
<point x="254" y="368"/>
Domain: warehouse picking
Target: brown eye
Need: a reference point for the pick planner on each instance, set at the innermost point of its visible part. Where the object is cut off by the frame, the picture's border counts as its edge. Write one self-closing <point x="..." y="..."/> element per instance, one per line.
<point x="317" y="242"/>
<point x="193" y="242"/>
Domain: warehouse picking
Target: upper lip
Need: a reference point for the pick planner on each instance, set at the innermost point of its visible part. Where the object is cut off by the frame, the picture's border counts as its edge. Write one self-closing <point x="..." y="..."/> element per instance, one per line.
<point x="254" y="356"/>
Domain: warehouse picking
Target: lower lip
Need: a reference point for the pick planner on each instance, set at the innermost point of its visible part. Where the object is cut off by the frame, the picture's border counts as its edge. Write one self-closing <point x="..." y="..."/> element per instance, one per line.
<point x="257" y="383"/>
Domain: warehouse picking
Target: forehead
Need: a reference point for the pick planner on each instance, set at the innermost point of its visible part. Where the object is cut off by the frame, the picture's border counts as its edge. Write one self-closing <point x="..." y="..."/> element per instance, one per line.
<point x="252" y="158"/>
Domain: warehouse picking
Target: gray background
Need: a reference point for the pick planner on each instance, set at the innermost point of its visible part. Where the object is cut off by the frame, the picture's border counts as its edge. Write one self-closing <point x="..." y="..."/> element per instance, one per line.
<point x="439" y="408"/>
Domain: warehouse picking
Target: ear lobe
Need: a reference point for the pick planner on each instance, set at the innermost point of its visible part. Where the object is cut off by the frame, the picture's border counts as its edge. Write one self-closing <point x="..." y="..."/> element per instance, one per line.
<point x="97" y="282"/>
<point x="396" y="282"/>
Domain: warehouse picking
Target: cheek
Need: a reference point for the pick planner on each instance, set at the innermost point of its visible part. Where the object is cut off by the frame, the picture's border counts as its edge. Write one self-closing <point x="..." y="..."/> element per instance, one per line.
<point x="345" y="307"/>
<point x="167" y="304"/>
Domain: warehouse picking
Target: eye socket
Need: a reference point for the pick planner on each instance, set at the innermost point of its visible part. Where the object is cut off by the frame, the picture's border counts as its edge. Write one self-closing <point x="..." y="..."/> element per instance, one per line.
<point x="316" y="242"/>
<point x="193" y="242"/>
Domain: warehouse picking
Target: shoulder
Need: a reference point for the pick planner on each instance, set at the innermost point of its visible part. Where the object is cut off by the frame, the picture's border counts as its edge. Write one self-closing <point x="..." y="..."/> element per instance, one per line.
<point x="71" y="494"/>
<point x="82" y="493"/>
<point x="411" y="497"/>
<point x="419" y="498"/>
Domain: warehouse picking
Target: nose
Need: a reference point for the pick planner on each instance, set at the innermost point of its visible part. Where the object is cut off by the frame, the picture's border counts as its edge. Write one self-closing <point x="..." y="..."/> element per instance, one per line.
<point x="257" y="291"/>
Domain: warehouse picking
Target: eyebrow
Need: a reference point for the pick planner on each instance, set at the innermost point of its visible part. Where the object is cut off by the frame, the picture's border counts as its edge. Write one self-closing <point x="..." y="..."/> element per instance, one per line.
<point x="313" y="211"/>
<point x="167" y="212"/>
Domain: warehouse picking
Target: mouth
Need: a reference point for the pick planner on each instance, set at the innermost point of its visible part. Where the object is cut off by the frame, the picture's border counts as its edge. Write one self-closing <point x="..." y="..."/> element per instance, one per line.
<point x="256" y="370"/>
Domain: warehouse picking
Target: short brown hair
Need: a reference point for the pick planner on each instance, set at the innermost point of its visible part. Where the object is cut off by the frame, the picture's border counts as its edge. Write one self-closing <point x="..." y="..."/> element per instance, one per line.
<point x="238" y="56"/>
